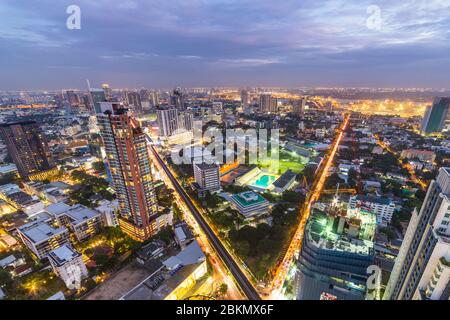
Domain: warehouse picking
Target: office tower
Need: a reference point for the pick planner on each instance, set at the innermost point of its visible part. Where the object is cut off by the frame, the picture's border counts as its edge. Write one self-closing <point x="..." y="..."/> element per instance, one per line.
<point x="207" y="176"/>
<point x="129" y="162"/>
<point x="73" y="99"/>
<point x="107" y="91"/>
<point x="435" y="116"/>
<point x="167" y="121"/>
<point x="144" y="94"/>
<point x="177" y="100"/>
<point x="244" y="99"/>
<point x="336" y="250"/>
<point x="422" y="267"/>
<point x="185" y="121"/>
<point x="133" y="100"/>
<point x="27" y="147"/>
<point x="96" y="96"/>
<point x="154" y="99"/>
<point x="267" y="104"/>
<point x="299" y="106"/>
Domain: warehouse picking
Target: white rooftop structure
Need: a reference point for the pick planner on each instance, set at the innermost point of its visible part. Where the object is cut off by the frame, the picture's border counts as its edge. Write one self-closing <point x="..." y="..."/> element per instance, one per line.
<point x="190" y="255"/>
<point x="63" y="254"/>
<point x="38" y="231"/>
<point x="57" y="208"/>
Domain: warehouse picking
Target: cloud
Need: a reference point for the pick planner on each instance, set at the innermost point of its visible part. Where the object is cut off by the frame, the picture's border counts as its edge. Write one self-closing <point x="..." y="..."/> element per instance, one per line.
<point x="226" y="40"/>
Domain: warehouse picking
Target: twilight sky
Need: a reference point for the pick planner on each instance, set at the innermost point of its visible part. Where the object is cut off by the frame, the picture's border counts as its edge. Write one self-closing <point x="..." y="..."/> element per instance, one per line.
<point x="167" y="43"/>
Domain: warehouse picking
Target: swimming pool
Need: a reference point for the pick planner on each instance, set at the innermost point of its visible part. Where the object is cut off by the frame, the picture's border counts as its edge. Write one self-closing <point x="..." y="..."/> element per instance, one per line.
<point x="263" y="180"/>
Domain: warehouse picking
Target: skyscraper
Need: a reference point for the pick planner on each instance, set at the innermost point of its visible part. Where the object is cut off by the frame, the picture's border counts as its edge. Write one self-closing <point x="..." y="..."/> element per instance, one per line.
<point x="154" y="99"/>
<point x="73" y="99"/>
<point x="107" y="91"/>
<point x="133" y="100"/>
<point x="336" y="250"/>
<point x="267" y="104"/>
<point x="177" y="99"/>
<point x="27" y="147"/>
<point x="167" y="121"/>
<point x="96" y="96"/>
<point x="435" y="116"/>
<point x="299" y="106"/>
<point x="130" y="165"/>
<point x="185" y="121"/>
<point x="244" y="99"/>
<point x="422" y="267"/>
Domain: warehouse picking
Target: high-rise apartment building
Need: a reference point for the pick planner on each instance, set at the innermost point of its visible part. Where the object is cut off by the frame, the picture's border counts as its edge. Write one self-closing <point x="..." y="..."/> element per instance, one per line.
<point x="167" y="121"/>
<point x="27" y="147"/>
<point x="299" y="106"/>
<point x="244" y="99"/>
<point x="107" y="91"/>
<point x="185" y="121"/>
<point x="177" y="100"/>
<point x="73" y="99"/>
<point x="133" y="100"/>
<point x="96" y="96"/>
<point x="207" y="176"/>
<point x="267" y="104"/>
<point x="130" y="166"/>
<point x="435" y="116"/>
<point x="422" y="267"/>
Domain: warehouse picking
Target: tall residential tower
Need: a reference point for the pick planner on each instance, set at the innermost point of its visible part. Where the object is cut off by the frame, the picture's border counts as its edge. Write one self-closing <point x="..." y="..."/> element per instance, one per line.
<point x="422" y="267"/>
<point x="129" y="161"/>
<point x="27" y="147"/>
<point x="435" y="116"/>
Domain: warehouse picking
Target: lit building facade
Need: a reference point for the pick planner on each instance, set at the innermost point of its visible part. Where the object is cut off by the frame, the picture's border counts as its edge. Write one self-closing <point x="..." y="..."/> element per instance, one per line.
<point x="268" y="104"/>
<point x="27" y="147"/>
<point x="207" y="176"/>
<point x="435" y="116"/>
<point x="130" y="166"/>
<point x="167" y="121"/>
<point x="422" y="267"/>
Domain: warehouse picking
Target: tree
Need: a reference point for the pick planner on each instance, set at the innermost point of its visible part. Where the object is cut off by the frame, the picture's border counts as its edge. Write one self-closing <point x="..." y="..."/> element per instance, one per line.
<point x="222" y="290"/>
<point x="99" y="166"/>
<point x="5" y="278"/>
<point x="309" y="172"/>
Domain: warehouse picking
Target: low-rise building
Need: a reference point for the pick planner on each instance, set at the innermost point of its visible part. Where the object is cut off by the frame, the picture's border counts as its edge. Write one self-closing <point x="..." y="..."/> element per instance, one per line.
<point x="82" y="221"/>
<point x="422" y="155"/>
<point x="183" y="234"/>
<point x="41" y="237"/>
<point x="152" y="250"/>
<point x="382" y="207"/>
<point x="249" y="204"/>
<point x="68" y="265"/>
<point x="284" y="182"/>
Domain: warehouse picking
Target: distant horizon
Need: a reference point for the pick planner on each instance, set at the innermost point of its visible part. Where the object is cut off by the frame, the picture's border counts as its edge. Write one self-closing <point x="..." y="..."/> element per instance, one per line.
<point x="250" y="87"/>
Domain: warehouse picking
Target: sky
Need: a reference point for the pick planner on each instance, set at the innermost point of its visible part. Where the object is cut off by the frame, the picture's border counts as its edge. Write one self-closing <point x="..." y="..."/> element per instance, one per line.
<point x="195" y="43"/>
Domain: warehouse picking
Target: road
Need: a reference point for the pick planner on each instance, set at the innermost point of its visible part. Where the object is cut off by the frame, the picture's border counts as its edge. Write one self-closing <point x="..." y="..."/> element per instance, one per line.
<point x="242" y="281"/>
<point x="423" y="185"/>
<point x="314" y="194"/>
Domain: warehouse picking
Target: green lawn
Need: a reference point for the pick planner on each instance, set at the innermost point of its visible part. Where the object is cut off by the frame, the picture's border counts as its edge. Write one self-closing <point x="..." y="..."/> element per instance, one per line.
<point x="287" y="160"/>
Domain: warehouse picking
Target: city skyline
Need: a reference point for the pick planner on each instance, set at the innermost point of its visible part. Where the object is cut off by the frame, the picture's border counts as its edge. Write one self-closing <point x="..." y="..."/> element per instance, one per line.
<point x="226" y="43"/>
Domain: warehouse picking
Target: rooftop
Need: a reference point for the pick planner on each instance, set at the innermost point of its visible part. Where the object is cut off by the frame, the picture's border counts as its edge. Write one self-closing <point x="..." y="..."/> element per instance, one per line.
<point x="353" y="234"/>
<point x="78" y="213"/>
<point x="190" y="255"/>
<point x="248" y="198"/>
<point x="39" y="230"/>
<point x="63" y="254"/>
<point x="372" y="199"/>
